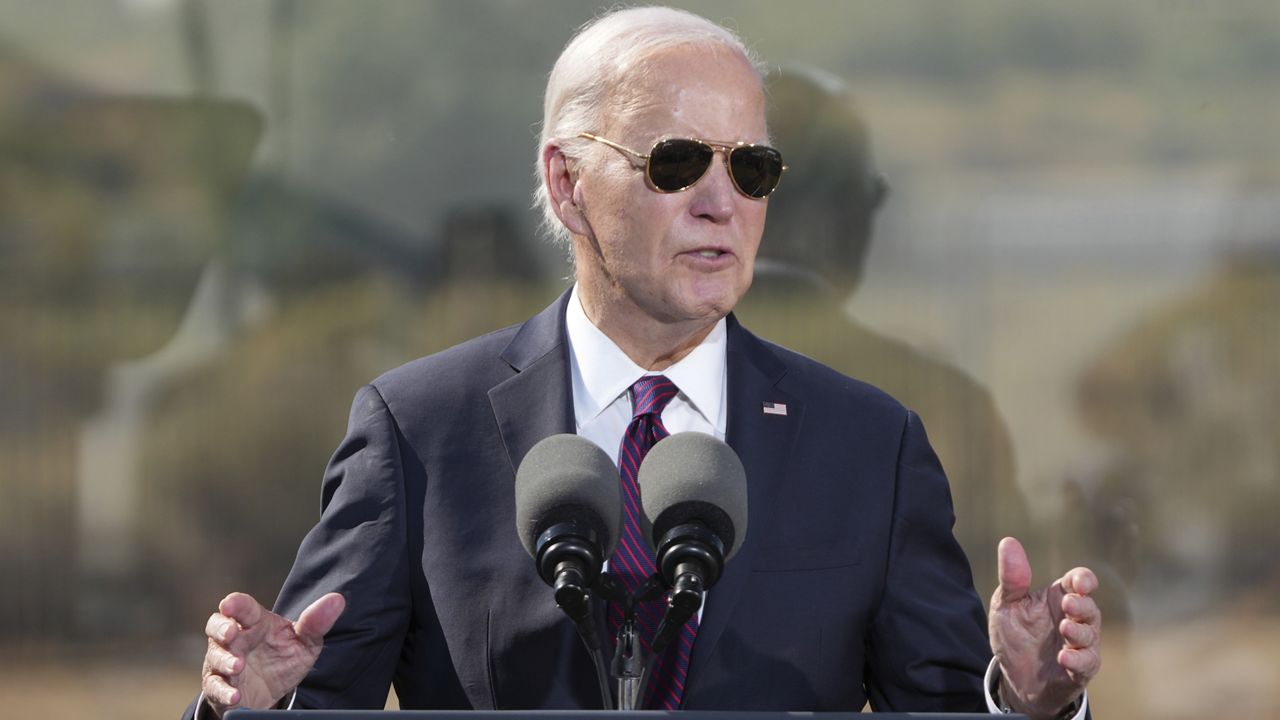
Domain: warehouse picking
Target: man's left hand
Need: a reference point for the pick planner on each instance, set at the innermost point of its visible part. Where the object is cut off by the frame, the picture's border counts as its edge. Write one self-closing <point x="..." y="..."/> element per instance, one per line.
<point x="1047" y="641"/>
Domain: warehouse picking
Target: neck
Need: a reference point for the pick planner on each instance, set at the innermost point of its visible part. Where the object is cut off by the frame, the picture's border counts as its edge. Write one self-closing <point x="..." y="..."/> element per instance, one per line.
<point x="650" y="343"/>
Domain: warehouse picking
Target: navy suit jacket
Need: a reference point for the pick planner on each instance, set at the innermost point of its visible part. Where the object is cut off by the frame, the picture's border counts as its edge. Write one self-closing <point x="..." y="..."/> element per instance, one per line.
<point x="849" y="584"/>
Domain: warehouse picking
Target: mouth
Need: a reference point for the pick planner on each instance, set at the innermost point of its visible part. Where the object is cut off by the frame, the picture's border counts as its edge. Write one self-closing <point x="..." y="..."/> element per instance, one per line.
<point x="709" y="253"/>
<point x="709" y="259"/>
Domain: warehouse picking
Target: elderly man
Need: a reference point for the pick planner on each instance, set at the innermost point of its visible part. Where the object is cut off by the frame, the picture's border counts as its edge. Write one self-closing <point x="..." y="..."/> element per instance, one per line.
<point x="655" y="167"/>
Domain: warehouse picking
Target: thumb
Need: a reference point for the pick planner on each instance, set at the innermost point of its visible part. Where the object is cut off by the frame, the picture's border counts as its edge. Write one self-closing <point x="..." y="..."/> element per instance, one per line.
<point x="319" y="617"/>
<point x="1014" y="570"/>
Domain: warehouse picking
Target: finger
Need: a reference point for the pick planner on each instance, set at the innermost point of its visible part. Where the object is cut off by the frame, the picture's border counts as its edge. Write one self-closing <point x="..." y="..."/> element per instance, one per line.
<point x="319" y="617"/>
<point x="1079" y="580"/>
<point x="1014" y="571"/>
<point x="1081" y="665"/>
<point x="221" y="629"/>
<point x="219" y="692"/>
<point x="254" y="621"/>
<point x="242" y="608"/>
<point x="1077" y="635"/>
<point x="223" y="662"/>
<point x="1081" y="609"/>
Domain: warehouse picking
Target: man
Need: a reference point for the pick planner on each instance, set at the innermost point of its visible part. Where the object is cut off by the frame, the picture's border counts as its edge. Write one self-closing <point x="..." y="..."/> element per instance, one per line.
<point x="849" y="587"/>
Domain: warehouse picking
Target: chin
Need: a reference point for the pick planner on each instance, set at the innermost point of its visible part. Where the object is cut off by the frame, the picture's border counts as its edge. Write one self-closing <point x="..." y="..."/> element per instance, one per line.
<point x="710" y="307"/>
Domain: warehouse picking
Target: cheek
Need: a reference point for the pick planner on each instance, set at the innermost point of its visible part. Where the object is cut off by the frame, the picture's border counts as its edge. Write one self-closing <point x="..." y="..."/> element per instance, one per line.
<point x="619" y="208"/>
<point x="650" y="222"/>
<point x="753" y="232"/>
<point x="605" y="187"/>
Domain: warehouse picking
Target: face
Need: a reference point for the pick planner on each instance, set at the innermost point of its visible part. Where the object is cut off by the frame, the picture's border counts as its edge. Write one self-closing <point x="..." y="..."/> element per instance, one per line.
<point x="644" y="256"/>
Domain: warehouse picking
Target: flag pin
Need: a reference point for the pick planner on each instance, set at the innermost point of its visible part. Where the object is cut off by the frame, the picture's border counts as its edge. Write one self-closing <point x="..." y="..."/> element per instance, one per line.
<point x="775" y="408"/>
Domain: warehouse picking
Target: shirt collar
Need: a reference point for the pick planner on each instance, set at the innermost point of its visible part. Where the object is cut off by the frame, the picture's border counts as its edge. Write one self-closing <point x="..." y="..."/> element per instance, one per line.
<point x="602" y="372"/>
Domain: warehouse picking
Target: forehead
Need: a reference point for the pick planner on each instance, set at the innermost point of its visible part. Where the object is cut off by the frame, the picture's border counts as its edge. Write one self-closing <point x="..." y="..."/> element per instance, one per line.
<point x="708" y="92"/>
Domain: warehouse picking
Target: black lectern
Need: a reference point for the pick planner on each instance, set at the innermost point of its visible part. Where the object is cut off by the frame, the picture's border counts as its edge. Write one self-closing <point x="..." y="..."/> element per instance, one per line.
<point x="588" y="715"/>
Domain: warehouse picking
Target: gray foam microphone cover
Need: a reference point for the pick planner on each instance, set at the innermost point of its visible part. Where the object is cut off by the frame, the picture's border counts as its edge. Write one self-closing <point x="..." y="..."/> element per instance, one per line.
<point x="567" y="477"/>
<point x="690" y="475"/>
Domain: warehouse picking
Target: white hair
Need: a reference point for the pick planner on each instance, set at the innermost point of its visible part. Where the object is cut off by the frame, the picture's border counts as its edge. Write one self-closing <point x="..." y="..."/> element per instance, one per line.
<point x="595" y="62"/>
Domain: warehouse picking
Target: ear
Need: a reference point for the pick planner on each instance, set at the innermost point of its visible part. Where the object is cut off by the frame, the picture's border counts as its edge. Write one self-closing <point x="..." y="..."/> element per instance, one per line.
<point x="563" y="189"/>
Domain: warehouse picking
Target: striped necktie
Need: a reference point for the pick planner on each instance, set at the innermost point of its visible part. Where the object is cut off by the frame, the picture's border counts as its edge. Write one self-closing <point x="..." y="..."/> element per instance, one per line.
<point x="633" y="562"/>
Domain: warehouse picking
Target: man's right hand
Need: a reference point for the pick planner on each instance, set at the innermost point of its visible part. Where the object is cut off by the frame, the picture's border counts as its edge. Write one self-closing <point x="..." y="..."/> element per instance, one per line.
<point x="256" y="657"/>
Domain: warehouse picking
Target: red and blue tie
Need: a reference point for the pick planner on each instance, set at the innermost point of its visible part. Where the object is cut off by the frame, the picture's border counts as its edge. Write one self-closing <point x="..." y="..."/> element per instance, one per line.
<point x="633" y="562"/>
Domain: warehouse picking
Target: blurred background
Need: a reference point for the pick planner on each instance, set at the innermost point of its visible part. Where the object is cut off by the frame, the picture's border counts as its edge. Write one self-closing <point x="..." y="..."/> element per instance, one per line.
<point x="1051" y="228"/>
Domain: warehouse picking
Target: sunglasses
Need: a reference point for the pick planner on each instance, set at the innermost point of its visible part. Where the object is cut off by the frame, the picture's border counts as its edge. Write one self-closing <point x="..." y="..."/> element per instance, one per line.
<point x="677" y="164"/>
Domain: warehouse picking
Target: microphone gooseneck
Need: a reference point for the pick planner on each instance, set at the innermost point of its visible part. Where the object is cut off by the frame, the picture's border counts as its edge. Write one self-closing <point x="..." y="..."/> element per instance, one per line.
<point x="569" y="518"/>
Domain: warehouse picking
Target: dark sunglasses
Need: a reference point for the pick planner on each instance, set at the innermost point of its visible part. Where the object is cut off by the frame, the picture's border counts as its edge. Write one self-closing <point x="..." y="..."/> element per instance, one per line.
<point x="677" y="164"/>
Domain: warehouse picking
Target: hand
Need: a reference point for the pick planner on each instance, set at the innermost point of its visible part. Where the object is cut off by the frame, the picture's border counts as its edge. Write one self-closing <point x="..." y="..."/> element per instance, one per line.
<point x="1048" y="642"/>
<point x="256" y="657"/>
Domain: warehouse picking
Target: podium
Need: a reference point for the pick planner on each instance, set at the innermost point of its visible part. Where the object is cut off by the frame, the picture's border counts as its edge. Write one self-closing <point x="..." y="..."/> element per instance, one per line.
<point x="588" y="715"/>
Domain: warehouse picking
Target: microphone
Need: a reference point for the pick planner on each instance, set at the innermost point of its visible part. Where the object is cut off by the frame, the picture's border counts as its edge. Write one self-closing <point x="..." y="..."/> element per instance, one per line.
<point x="569" y="519"/>
<point x="693" y="490"/>
<point x="568" y="509"/>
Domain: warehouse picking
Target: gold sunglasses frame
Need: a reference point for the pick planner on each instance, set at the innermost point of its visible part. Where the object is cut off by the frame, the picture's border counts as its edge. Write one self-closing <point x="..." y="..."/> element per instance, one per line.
<point x="716" y="148"/>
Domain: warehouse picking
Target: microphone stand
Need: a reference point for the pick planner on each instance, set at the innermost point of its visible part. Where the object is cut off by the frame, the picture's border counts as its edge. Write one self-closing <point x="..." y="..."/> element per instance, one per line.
<point x="692" y="557"/>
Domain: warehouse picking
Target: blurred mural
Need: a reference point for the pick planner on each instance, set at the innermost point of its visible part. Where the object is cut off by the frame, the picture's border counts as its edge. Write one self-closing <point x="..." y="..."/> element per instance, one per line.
<point x="1051" y="229"/>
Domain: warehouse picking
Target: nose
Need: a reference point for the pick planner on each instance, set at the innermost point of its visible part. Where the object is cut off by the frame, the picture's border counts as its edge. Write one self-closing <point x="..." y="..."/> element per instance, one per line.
<point x="715" y="196"/>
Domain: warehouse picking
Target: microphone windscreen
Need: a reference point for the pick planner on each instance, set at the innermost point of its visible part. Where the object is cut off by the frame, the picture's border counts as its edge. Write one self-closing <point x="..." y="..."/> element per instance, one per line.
<point x="693" y="476"/>
<point x="568" y="478"/>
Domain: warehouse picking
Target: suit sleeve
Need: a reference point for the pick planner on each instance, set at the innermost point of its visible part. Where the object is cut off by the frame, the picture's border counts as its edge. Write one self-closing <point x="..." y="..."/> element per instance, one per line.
<point x="927" y="649"/>
<point x="358" y="548"/>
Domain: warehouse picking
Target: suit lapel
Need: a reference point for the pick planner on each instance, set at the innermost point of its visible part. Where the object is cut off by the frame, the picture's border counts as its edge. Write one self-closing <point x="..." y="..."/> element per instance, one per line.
<point x="537" y="401"/>
<point x="763" y="442"/>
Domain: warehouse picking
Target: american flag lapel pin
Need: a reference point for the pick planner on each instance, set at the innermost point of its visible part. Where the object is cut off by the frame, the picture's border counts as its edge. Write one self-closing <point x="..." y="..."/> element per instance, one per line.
<point x="772" y="408"/>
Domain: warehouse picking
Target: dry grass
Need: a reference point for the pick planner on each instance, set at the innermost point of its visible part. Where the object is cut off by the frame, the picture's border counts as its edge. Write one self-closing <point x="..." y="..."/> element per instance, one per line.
<point x="1224" y="667"/>
<point x="102" y="689"/>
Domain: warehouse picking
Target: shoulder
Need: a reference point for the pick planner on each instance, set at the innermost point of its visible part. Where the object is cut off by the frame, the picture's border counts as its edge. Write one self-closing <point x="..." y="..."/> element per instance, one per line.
<point x="459" y="367"/>
<point x="452" y="385"/>
<point x="475" y="366"/>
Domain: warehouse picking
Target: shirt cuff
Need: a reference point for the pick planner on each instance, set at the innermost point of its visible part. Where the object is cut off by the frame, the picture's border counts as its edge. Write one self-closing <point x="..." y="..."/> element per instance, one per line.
<point x="201" y="713"/>
<point x="992" y="684"/>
